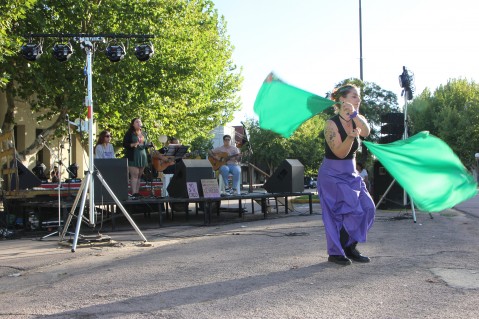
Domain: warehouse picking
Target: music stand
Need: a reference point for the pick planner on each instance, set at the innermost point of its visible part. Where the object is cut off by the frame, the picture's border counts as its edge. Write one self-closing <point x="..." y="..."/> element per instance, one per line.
<point x="176" y="151"/>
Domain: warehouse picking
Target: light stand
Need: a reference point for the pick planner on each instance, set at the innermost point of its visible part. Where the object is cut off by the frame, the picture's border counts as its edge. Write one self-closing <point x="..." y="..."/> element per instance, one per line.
<point x="87" y="185"/>
<point x="406" y="82"/>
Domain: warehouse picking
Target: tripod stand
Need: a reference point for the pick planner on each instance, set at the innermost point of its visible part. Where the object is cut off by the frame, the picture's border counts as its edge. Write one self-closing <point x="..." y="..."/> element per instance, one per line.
<point x="405" y="80"/>
<point x="87" y="185"/>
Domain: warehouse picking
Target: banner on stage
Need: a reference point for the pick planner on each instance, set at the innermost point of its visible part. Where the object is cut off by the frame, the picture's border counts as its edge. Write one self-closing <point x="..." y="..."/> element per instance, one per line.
<point x="192" y="190"/>
<point x="210" y="188"/>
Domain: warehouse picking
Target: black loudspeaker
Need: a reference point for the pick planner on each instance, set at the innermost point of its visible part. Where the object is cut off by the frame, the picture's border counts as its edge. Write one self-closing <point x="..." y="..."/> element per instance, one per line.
<point x="382" y="180"/>
<point x="288" y="178"/>
<point x="392" y="127"/>
<point x="26" y="179"/>
<point x="189" y="171"/>
<point x="115" y="173"/>
<point x="394" y="118"/>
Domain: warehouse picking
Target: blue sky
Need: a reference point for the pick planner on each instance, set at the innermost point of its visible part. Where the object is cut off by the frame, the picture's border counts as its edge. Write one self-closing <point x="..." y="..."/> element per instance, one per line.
<point x="314" y="44"/>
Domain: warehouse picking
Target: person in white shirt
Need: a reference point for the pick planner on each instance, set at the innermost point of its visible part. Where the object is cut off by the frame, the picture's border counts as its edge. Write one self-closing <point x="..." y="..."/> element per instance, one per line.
<point x="228" y="157"/>
<point x="363" y="173"/>
<point x="103" y="147"/>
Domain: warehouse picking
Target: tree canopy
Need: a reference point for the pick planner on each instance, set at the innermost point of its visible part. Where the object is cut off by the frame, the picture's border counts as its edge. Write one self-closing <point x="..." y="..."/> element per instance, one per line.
<point x="11" y="13"/>
<point x="186" y="89"/>
<point x="452" y="114"/>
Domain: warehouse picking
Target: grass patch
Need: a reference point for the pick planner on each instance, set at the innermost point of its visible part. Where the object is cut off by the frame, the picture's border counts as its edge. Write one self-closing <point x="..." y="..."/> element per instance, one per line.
<point x="304" y="199"/>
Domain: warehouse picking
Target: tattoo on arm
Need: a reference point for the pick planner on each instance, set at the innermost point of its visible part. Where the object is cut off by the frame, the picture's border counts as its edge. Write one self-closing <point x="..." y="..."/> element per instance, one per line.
<point x="330" y="135"/>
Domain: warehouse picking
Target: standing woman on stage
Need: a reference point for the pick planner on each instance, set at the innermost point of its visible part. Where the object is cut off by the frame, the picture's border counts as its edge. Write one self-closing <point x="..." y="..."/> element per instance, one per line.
<point x="134" y="143"/>
<point x="347" y="208"/>
<point x="103" y="147"/>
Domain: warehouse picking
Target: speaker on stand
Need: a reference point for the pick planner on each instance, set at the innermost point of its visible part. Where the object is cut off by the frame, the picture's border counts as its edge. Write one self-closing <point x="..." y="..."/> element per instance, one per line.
<point x="188" y="171"/>
<point x="382" y="180"/>
<point x="287" y="178"/>
<point x="392" y="127"/>
<point x="115" y="172"/>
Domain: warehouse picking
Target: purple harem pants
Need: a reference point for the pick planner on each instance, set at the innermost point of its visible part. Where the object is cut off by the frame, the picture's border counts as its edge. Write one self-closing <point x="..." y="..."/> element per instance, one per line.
<point x="345" y="202"/>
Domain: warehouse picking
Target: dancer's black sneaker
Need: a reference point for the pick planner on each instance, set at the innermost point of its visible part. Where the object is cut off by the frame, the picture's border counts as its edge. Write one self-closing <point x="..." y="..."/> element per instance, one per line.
<point x="340" y="260"/>
<point x="354" y="254"/>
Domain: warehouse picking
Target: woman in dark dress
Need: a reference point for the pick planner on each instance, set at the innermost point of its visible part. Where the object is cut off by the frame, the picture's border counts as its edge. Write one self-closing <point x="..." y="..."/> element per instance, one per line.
<point x="134" y="143"/>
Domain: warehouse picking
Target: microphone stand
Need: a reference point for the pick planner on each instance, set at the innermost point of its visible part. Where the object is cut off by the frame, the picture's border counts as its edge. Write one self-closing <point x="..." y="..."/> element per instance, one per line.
<point x="250" y="166"/>
<point x="69" y="140"/>
<point x="60" y="163"/>
<point x="149" y="147"/>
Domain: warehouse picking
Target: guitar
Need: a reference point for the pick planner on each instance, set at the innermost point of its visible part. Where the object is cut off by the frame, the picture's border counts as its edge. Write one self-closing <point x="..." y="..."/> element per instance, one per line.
<point x="224" y="157"/>
<point x="161" y="162"/>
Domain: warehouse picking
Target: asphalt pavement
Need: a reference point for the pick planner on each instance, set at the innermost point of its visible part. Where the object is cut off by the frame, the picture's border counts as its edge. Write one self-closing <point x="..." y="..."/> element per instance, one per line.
<point x="251" y="268"/>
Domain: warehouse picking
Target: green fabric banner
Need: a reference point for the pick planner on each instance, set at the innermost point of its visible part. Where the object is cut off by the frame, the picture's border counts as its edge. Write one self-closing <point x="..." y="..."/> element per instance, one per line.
<point x="282" y="108"/>
<point x="429" y="171"/>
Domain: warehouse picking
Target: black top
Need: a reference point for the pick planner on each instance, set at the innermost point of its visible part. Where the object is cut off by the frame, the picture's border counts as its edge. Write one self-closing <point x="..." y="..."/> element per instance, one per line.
<point x="128" y="140"/>
<point x="342" y="132"/>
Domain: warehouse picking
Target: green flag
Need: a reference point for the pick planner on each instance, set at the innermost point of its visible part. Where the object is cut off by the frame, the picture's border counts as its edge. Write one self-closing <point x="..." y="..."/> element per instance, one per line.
<point x="282" y="108"/>
<point x="429" y="171"/>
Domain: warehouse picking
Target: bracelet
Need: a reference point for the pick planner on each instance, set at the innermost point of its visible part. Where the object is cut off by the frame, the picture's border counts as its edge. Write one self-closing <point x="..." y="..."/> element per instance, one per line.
<point x="353" y="115"/>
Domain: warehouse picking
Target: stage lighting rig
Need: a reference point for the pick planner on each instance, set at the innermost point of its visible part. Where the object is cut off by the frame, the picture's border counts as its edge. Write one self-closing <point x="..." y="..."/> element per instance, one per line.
<point x="144" y="52"/>
<point x="31" y="51"/>
<point x="115" y="53"/>
<point x="62" y="52"/>
<point x="406" y="80"/>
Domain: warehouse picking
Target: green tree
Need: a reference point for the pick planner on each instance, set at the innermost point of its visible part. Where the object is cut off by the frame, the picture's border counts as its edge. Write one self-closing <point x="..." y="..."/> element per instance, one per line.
<point x="186" y="89"/>
<point x="269" y="148"/>
<point x="306" y="144"/>
<point x="11" y="13"/>
<point x="420" y="113"/>
<point x="452" y="114"/>
<point x="201" y="145"/>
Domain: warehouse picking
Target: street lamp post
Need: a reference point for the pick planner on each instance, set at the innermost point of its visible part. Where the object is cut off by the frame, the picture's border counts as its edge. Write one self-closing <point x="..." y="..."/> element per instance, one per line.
<point x="360" y="43"/>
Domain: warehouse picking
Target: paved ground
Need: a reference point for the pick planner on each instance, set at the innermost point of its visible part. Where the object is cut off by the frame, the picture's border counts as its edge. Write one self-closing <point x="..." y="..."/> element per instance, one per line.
<point x="273" y="268"/>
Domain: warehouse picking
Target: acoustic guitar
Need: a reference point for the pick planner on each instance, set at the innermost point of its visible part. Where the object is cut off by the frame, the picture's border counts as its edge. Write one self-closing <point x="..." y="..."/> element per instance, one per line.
<point x="161" y="162"/>
<point x="223" y="158"/>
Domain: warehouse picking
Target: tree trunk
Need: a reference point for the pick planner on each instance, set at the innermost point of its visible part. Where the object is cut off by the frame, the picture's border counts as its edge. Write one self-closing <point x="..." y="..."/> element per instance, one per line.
<point x="37" y="145"/>
<point x="9" y="124"/>
<point x="9" y="120"/>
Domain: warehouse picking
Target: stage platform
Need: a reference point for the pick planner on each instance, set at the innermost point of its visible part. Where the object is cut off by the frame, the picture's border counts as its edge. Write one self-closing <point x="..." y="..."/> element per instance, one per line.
<point x="41" y="213"/>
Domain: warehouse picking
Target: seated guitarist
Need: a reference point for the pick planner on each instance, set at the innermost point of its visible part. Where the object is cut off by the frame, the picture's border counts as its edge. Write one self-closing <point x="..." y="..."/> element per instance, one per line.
<point x="226" y="158"/>
<point x="169" y="171"/>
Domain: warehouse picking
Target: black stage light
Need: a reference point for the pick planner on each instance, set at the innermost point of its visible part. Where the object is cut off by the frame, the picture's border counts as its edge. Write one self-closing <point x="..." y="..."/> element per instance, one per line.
<point x="62" y="52"/>
<point x="406" y="80"/>
<point x="115" y="52"/>
<point x="144" y="51"/>
<point x="31" y="51"/>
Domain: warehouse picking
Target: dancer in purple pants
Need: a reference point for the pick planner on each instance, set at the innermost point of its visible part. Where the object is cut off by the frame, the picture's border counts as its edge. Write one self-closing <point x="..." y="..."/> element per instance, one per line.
<point x="347" y="208"/>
